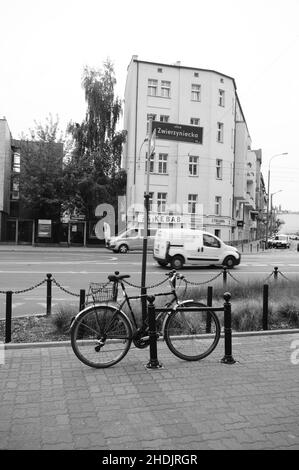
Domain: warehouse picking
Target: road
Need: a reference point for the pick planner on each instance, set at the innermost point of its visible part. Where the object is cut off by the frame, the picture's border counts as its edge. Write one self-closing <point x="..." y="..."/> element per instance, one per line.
<point x="73" y="269"/>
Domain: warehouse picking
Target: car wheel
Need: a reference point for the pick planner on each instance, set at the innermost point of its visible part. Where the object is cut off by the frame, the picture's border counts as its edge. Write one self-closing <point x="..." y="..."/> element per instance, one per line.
<point x="163" y="263"/>
<point x="123" y="248"/>
<point x="229" y="262"/>
<point x="177" y="262"/>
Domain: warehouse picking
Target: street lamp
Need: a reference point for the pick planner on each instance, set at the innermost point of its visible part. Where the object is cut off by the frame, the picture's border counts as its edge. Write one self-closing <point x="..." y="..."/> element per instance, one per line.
<point x="268" y="196"/>
<point x="271" y="206"/>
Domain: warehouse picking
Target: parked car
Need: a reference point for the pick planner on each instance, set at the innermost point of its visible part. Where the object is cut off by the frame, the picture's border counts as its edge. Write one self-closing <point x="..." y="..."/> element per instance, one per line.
<point x="281" y="241"/>
<point x="294" y="237"/>
<point x="131" y="239"/>
<point x="194" y="247"/>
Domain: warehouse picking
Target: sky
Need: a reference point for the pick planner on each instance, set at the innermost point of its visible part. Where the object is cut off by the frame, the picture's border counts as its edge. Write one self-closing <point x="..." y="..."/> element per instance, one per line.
<point x="45" y="46"/>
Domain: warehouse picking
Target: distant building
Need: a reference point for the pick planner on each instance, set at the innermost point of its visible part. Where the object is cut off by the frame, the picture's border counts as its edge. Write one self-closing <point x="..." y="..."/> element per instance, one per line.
<point x="218" y="172"/>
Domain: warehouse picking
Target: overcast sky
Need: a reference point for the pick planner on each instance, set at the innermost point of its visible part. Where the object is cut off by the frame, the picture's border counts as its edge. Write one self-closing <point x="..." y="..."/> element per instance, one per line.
<point x="45" y="45"/>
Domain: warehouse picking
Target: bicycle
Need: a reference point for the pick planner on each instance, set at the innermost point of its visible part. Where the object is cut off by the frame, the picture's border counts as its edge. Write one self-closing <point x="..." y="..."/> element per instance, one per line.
<point x="102" y="333"/>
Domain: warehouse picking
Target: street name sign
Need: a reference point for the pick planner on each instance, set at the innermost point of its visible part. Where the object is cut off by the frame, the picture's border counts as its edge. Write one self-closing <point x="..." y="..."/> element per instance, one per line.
<point x="178" y="132"/>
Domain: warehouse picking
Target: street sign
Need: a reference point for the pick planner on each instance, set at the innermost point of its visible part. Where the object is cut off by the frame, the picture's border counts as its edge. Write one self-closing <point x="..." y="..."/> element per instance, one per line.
<point x="178" y="132"/>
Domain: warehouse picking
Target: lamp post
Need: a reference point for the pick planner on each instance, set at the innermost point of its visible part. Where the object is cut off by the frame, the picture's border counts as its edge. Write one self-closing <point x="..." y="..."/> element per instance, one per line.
<point x="271" y="207"/>
<point x="151" y="137"/>
<point x="268" y="196"/>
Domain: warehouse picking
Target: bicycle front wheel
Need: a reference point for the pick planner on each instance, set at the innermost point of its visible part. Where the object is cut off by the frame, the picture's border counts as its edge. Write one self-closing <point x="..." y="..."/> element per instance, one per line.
<point x="192" y="335"/>
<point x="101" y="336"/>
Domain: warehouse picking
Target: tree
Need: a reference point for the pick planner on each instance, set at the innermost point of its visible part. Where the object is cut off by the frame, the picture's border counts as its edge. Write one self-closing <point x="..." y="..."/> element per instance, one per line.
<point x="40" y="179"/>
<point x="92" y="174"/>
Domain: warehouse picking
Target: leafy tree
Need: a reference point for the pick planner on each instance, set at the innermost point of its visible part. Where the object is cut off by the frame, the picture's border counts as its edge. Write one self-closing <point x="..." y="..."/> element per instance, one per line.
<point x="92" y="174"/>
<point x="40" y="178"/>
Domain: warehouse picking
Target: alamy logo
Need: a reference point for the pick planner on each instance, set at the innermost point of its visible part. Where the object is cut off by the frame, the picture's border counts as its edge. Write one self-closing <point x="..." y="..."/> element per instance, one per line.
<point x="295" y="353"/>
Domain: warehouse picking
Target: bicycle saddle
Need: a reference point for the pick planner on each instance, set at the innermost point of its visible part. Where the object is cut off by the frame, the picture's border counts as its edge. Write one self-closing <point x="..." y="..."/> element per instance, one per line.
<point x="116" y="277"/>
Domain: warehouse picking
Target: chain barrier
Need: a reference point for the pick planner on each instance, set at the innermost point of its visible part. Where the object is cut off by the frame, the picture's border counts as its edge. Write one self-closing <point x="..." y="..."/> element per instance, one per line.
<point x="63" y="289"/>
<point x="25" y="290"/>
<point x="233" y="277"/>
<point x="285" y="277"/>
<point x="204" y="282"/>
<point x="147" y="287"/>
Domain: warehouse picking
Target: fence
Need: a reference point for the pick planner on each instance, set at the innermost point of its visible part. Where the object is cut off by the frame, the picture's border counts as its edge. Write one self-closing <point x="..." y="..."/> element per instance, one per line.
<point x="224" y="274"/>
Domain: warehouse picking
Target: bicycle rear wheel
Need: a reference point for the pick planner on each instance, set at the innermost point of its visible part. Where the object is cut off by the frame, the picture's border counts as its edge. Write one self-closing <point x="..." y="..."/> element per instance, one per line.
<point x="192" y="335"/>
<point x="101" y="336"/>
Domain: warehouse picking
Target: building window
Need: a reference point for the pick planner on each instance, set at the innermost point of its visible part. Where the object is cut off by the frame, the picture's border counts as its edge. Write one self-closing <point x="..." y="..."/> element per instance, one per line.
<point x="220" y="132"/>
<point x="221" y="98"/>
<point x="152" y="87"/>
<point x="192" y="202"/>
<point x="165" y="89"/>
<point x="150" y="201"/>
<point x="161" y="202"/>
<point x="194" y="121"/>
<point x="16" y="162"/>
<point x="217" y="232"/>
<point x="193" y="165"/>
<point x="196" y="74"/>
<point x="152" y="163"/>
<point x="164" y="118"/>
<point x="153" y="116"/>
<point x="162" y="163"/>
<point x="218" y="205"/>
<point x="195" y="92"/>
<point x="159" y="70"/>
<point x="15" y="188"/>
<point x="219" y="166"/>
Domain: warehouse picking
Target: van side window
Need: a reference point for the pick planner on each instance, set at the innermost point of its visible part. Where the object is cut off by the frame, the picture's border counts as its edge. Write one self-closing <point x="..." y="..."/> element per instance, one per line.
<point x="209" y="240"/>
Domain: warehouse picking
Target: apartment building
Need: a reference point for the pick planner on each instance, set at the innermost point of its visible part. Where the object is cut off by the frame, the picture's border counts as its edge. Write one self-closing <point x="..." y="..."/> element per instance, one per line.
<point x="208" y="181"/>
<point x="6" y="156"/>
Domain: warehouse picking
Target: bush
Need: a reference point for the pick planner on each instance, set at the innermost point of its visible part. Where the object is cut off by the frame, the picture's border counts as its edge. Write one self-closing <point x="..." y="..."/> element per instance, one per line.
<point x="62" y="318"/>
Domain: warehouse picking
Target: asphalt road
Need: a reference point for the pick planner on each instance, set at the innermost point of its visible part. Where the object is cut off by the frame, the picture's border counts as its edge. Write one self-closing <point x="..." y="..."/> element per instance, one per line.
<point x="73" y="269"/>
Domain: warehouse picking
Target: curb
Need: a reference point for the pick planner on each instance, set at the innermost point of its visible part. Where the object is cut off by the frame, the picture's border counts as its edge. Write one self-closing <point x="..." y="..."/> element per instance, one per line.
<point x="55" y="344"/>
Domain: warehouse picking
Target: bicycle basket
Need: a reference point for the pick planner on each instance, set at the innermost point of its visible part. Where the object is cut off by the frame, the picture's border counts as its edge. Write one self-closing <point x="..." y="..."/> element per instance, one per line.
<point x="102" y="292"/>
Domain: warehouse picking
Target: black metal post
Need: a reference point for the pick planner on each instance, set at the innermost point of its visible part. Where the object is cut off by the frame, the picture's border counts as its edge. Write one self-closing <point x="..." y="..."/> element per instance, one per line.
<point x="209" y="304"/>
<point x="82" y="300"/>
<point x="227" y="358"/>
<point x="153" y="362"/>
<point x="8" y="316"/>
<point x="276" y="273"/>
<point x="224" y="276"/>
<point x="144" y="259"/>
<point x="265" y="306"/>
<point x="49" y="293"/>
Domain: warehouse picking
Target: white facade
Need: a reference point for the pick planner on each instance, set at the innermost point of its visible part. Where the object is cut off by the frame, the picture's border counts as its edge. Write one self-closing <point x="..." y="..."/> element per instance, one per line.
<point x="185" y="174"/>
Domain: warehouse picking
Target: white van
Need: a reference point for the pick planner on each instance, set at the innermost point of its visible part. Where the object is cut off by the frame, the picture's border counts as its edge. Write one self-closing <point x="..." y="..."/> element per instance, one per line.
<point x="193" y="247"/>
<point x="131" y="239"/>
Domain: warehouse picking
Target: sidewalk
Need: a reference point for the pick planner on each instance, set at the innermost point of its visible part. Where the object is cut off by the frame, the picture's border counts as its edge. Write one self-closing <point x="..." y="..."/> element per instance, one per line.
<point x="49" y="400"/>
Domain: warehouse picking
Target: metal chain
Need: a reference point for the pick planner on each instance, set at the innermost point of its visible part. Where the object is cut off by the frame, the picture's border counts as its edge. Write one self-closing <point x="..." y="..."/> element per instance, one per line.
<point x="63" y="289"/>
<point x="234" y="278"/>
<point x="147" y="287"/>
<point x="24" y="290"/>
<point x="205" y="282"/>
<point x="268" y="277"/>
<point x="284" y="276"/>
